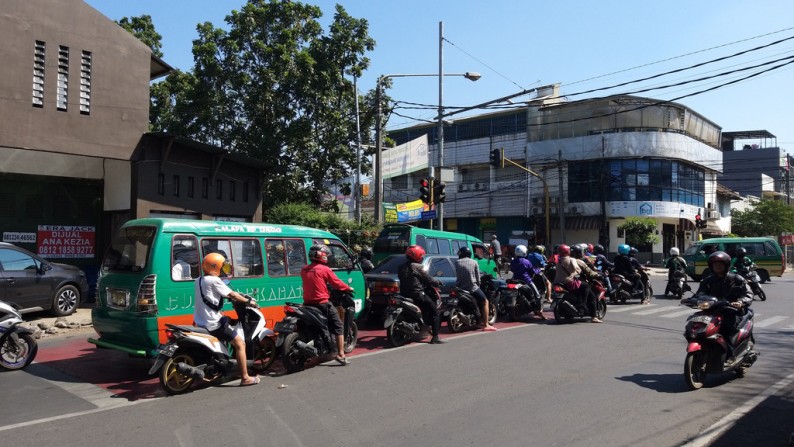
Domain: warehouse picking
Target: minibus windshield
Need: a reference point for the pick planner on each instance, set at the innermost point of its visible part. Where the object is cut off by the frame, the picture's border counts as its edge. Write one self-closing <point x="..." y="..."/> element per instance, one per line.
<point x="393" y="240"/>
<point x="130" y="250"/>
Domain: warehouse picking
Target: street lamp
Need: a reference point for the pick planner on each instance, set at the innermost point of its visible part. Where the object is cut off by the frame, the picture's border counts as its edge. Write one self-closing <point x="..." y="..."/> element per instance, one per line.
<point x="470" y="75"/>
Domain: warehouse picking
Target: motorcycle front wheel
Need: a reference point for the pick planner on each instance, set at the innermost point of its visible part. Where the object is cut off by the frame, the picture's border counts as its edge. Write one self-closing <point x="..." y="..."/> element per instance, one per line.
<point x="292" y="358"/>
<point x="351" y="338"/>
<point x="18" y="351"/>
<point x="397" y="337"/>
<point x="172" y="380"/>
<point x="264" y="354"/>
<point x="695" y="370"/>
<point x="492" y="313"/>
<point x="760" y="292"/>
<point x="454" y="321"/>
<point x="601" y="309"/>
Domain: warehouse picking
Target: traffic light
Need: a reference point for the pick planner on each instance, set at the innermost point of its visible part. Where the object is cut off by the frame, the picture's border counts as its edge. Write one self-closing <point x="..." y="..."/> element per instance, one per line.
<point x="497" y="157"/>
<point x="699" y="222"/>
<point x="424" y="191"/>
<point x="438" y="193"/>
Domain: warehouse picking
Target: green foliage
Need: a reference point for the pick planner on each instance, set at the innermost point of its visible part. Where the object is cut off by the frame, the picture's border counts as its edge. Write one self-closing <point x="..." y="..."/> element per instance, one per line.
<point x="272" y="84"/>
<point x="143" y="28"/>
<point x="640" y="232"/>
<point x="309" y="215"/>
<point x="767" y="217"/>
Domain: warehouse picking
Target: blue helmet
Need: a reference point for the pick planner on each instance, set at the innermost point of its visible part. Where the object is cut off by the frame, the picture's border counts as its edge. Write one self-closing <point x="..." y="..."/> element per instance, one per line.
<point x="623" y="249"/>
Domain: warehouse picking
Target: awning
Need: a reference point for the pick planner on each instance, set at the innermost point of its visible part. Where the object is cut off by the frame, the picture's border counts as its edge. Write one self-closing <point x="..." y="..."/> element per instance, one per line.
<point x="712" y="228"/>
<point x="577" y="223"/>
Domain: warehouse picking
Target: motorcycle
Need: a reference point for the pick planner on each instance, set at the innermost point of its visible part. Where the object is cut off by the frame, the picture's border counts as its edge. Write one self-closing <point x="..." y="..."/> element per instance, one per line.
<point x="464" y="311"/>
<point x="707" y="350"/>
<point x="515" y="300"/>
<point x="303" y="334"/>
<point x="568" y="306"/>
<point x="624" y="290"/>
<point x="753" y="280"/>
<point x="404" y="320"/>
<point x="677" y="285"/>
<point x="18" y="346"/>
<point x="191" y="355"/>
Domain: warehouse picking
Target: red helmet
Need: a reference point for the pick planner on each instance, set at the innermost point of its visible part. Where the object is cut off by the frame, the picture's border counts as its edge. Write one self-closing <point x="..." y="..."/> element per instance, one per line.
<point x="415" y="253"/>
<point x="319" y="253"/>
<point x="563" y="250"/>
<point x="589" y="248"/>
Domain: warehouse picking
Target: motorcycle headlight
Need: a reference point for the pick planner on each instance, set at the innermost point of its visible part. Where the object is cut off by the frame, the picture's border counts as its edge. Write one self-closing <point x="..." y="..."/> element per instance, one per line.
<point x="705" y="304"/>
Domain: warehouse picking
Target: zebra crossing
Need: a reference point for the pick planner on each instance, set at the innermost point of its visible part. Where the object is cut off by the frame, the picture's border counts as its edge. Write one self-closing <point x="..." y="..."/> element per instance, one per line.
<point x="776" y="322"/>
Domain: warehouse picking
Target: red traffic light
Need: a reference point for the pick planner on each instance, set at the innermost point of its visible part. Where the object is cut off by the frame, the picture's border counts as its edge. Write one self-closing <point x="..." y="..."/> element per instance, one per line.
<point x="424" y="183"/>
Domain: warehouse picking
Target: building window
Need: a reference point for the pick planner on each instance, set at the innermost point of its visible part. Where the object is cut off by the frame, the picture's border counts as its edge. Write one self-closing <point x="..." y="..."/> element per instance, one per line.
<point x="176" y="186"/>
<point x="190" y="186"/>
<point x="161" y="184"/>
<point x="245" y="191"/>
<point x="205" y="188"/>
<point x="219" y="189"/>
<point x="233" y="191"/>
<point x="62" y="97"/>
<point x="85" y="83"/>
<point x="39" y="52"/>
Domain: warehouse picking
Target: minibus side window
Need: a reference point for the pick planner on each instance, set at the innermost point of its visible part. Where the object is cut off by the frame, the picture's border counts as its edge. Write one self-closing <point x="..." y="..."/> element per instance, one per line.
<point x="221" y="246"/>
<point x="276" y="257"/>
<point x="420" y="241"/>
<point x="479" y="251"/>
<point x="443" y="247"/>
<point x="432" y="246"/>
<point x="755" y="249"/>
<point x="731" y="249"/>
<point x="296" y="256"/>
<point x="184" y="258"/>
<point x="246" y="257"/>
<point x="340" y="258"/>
<point x="770" y="249"/>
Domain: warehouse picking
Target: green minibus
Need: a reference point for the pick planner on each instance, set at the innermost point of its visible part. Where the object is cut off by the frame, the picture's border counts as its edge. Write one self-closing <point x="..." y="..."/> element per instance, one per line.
<point x="764" y="252"/>
<point x="148" y="274"/>
<point x="395" y="238"/>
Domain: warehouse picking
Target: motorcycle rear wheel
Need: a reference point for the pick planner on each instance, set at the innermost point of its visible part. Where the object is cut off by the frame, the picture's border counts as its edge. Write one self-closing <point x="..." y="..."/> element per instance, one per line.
<point x="454" y="321"/>
<point x="560" y="317"/>
<point x="695" y="370"/>
<point x="172" y="380"/>
<point x="351" y="338"/>
<point x="292" y="358"/>
<point x="264" y="354"/>
<point x="396" y="337"/>
<point x="15" y="355"/>
<point x="492" y="313"/>
<point x="601" y="309"/>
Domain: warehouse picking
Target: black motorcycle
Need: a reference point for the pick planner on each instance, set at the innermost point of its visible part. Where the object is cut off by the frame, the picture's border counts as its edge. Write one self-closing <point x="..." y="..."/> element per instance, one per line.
<point x="753" y="280"/>
<point x="521" y="299"/>
<point x="404" y="321"/>
<point x="303" y="334"/>
<point x="677" y="285"/>
<point x="624" y="289"/>
<point x="569" y="306"/>
<point x="463" y="312"/>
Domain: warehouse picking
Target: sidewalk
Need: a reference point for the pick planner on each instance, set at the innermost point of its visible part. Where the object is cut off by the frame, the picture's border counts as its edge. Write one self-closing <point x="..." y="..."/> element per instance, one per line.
<point x="45" y="325"/>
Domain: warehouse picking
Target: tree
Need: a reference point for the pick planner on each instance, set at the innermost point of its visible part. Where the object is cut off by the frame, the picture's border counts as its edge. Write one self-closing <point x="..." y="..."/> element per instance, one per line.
<point x="143" y="28"/>
<point x="275" y="87"/>
<point x="308" y="215"/>
<point x="640" y="232"/>
<point x="767" y="217"/>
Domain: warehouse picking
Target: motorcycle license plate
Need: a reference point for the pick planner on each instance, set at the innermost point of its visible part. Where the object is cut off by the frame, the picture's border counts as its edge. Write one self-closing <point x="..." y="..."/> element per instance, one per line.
<point x="167" y="350"/>
<point x="283" y="326"/>
<point x="699" y="318"/>
<point x="452" y="302"/>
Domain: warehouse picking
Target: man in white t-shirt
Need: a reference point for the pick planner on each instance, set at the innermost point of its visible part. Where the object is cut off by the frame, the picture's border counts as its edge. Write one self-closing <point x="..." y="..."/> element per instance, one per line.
<point x="210" y="292"/>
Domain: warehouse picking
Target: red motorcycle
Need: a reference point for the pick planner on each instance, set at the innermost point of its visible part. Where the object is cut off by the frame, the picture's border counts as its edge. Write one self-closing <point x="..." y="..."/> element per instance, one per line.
<point x="707" y="349"/>
<point x="568" y="306"/>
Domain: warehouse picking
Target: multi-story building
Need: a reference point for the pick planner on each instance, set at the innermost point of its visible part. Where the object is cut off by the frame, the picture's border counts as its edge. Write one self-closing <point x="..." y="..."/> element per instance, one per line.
<point x="755" y="165"/>
<point x="602" y="160"/>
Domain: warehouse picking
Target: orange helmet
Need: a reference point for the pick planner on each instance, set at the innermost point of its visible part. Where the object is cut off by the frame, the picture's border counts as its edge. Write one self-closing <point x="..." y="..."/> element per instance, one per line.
<point x="415" y="253"/>
<point x="212" y="264"/>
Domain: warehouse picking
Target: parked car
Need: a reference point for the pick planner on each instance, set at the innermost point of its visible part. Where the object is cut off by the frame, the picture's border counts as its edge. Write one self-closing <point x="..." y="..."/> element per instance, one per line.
<point x="32" y="284"/>
<point x="382" y="280"/>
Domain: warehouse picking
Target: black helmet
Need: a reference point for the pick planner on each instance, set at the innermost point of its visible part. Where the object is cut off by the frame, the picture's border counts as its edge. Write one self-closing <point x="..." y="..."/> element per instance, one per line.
<point x="633" y="252"/>
<point x="576" y="251"/>
<point x="599" y="249"/>
<point x="464" y="252"/>
<point x="366" y="253"/>
<point x="719" y="256"/>
<point x="740" y="252"/>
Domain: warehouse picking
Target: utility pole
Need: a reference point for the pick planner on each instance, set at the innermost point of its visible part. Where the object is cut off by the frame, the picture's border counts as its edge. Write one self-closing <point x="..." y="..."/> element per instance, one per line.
<point x="358" y="156"/>
<point x="604" y="239"/>
<point x="560" y="208"/>
<point x="504" y="160"/>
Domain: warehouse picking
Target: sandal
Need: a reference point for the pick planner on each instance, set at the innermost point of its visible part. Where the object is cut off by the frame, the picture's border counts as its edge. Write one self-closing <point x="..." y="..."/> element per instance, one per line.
<point x="252" y="382"/>
<point x="342" y="361"/>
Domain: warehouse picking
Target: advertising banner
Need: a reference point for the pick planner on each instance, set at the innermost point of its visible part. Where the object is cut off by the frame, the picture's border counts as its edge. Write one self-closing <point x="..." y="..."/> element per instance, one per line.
<point x="66" y="241"/>
<point x="403" y="212"/>
<point x="405" y="158"/>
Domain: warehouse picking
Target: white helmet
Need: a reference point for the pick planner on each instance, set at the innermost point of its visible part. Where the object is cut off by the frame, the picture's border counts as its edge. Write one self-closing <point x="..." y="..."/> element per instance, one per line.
<point x="674" y="251"/>
<point x="521" y="251"/>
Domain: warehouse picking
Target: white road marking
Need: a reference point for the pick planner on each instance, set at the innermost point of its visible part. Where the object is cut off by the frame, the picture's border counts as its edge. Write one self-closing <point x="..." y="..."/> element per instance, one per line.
<point x="626" y="308"/>
<point x="658" y="309"/>
<point x="770" y="321"/>
<point x="679" y="314"/>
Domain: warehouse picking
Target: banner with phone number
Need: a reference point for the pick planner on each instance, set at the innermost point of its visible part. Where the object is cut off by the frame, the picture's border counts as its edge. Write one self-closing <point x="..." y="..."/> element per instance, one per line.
<point x="66" y="241"/>
<point x="403" y="212"/>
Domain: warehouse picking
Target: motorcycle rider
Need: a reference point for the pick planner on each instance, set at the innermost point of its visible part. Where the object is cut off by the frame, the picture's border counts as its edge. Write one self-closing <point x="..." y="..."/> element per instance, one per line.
<point x="674" y="264"/>
<point x="317" y="277"/>
<point x="586" y="255"/>
<point x="603" y="265"/>
<point x="523" y="269"/>
<point x="468" y="278"/>
<point x="624" y="266"/>
<point x="365" y="260"/>
<point x="741" y="263"/>
<point x="207" y="311"/>
<point x="538" y="261"/>
<point x="727" y="286"/>
<point x="641" y="270"/>
<point x="568" y="268"/>
<point x="413" y="280"/>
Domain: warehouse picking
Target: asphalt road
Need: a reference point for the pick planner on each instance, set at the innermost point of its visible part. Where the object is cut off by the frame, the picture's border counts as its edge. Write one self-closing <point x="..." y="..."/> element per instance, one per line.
<point x="619" y="384"/>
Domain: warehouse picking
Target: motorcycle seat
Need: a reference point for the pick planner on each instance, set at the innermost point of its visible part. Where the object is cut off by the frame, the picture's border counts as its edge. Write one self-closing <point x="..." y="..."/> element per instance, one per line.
<point x="187" y="328"/>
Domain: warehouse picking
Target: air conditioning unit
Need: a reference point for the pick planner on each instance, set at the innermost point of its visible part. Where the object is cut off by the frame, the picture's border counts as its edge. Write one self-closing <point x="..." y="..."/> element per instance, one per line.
<point x="477" y="186"/>
<point x="537" y="200"/>
<point x="713" y="215"/>
<point x="537" y="211"/>
<point x="566" y="209"/>
<point x="553" y="210"/>
<point x="709" y="206"/>
<point x="553" y="199"/>
<point x="575" y="210"/>
<point x="463" y="187"/>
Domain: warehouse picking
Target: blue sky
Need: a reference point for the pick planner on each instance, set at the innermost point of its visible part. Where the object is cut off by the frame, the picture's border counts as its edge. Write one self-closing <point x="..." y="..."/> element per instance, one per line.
<point x="520" y="44"/>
